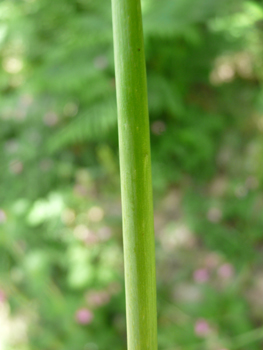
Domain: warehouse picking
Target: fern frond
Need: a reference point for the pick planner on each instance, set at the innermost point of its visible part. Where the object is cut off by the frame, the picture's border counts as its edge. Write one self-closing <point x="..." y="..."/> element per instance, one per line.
<point x="92" y="124"/>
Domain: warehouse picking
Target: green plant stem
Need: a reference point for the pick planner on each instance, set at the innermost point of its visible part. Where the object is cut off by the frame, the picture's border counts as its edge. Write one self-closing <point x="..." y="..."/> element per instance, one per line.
<point x="136" y="183"/>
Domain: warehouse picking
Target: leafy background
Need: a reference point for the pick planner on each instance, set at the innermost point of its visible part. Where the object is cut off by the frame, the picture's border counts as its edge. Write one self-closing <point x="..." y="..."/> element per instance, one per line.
<point x="61" y="264"/>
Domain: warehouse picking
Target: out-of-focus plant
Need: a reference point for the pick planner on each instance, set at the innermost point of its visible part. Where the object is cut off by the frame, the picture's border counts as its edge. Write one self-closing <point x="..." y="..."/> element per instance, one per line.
<point x="60" y="238"/>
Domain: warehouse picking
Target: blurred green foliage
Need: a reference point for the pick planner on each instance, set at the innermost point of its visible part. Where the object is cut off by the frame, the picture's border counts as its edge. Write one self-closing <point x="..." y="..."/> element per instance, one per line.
<point x="61" y="270"/>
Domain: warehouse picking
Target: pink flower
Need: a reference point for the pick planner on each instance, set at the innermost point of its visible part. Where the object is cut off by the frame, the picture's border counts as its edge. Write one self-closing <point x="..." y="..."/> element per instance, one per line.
<point x="214" y="215"/>
<point x="104" y="233"/>
<point x="91" y="238"/>
<point x="201" y="275"/>
<point x="202" y="328"/>
<point x="101" y="62"/>
<point x="50" y="119"/>
<point x="225" y="271"/>
<point x="16" y="167"/>
<point x="96" y="298"/>
<point x="80" y="190"/>
<point x="84" y="316"/>
<point x="2" y="296"/>
<point x="158" y="127"/>
<point x="212" y="260"/>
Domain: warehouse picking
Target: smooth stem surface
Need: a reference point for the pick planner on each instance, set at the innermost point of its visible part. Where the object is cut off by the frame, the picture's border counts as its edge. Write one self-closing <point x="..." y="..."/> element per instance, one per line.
<point x="136" y="183"/>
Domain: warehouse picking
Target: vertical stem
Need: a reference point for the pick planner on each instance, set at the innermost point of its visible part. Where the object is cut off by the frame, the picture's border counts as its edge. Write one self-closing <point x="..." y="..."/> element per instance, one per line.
<point x="136" y="183"/>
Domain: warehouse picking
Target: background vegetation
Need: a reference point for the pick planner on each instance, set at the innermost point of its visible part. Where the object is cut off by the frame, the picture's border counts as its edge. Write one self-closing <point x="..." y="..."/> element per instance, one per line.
<point x="61" y="265"/>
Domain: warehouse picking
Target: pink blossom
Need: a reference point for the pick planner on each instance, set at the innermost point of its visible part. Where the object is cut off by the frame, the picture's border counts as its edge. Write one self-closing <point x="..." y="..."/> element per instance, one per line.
<point x="212" y="260"/>
<point x="26" y="100"/>
<point x="104" y="233"/>
<point x="226" y="271"/>
<point x="16" y="167"/>
<point x="80" y="190"/>
<point x="46" y="164"/>
<point x="12" y="146"/>
<point x="158" y="127"/>
<point x="91" y="238"/>
<point x="2" y="296"/>
<point x="84" y="316"/>
<point x="50" y="119"/>
<point x="101" y="62"/>
<point x="201" y="275"/>
<point x="202" y="328"/>
<point x="97" y="298"/>
<point x="214" y="215"/>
